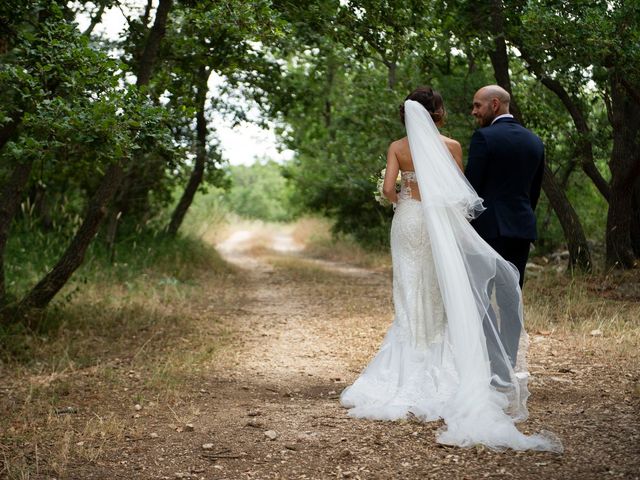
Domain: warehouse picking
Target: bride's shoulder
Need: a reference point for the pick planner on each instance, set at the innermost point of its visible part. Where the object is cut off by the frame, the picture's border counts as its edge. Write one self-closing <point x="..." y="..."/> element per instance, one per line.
<point x="450" y="141"/>
<point x="453" y="145"/>
<point x="399" y="144"/>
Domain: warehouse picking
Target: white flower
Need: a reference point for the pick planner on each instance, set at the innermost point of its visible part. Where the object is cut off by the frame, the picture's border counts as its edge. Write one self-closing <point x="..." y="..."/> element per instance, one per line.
<point x="379" y="193"/>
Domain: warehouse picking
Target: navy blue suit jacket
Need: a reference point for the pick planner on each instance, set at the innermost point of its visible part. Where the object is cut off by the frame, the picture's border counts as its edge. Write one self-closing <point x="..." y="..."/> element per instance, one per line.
<point x="505" y="166"/>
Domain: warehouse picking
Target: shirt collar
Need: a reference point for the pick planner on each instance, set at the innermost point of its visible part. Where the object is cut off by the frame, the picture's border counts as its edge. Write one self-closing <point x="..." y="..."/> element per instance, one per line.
<point x="504" y="115"/>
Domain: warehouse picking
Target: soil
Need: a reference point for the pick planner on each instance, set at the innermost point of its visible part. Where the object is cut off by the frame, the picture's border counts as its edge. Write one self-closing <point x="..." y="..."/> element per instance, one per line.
<point x="301" y="331"/>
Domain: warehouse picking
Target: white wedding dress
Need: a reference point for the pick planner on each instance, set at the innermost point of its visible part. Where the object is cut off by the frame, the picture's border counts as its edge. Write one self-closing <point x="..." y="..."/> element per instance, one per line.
<point x="443" y="356"/>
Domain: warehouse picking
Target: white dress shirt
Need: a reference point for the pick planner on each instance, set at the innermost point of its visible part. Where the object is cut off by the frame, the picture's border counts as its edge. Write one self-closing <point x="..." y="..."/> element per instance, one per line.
<point x="504" y="115"/>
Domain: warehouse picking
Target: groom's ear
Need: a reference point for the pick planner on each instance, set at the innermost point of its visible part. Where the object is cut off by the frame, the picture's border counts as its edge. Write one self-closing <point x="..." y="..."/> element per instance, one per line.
<point x="495" y="104"/>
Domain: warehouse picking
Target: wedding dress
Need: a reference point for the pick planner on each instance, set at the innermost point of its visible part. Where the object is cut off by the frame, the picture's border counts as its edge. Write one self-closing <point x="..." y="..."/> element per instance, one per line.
<point x="444" y="355"/>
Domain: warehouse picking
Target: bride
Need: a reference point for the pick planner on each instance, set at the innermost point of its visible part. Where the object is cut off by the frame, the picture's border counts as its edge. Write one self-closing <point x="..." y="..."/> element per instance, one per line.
<point x="443" y="356"/>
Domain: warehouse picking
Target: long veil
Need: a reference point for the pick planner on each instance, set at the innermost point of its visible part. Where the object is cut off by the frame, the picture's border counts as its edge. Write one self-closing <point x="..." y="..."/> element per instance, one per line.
<point x="482" y="302"/>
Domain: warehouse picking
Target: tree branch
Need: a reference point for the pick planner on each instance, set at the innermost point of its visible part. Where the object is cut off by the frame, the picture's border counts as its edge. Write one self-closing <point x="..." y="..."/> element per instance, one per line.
<point x="95" y="20"/>
<point x="571" y="104"/>
<point x="153" y="42"/>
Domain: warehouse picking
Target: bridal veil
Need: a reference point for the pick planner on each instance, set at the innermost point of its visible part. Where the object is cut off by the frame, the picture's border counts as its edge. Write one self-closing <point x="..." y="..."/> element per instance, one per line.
<point x="482" y="301"/>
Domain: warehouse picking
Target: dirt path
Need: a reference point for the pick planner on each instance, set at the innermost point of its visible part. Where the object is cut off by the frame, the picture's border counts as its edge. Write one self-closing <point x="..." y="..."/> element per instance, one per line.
<point x="303" y="333"/>
<point x="266" y="405"/>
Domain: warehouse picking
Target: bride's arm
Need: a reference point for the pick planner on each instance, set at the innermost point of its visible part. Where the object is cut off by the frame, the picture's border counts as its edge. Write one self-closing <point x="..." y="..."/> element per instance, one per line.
<point x="456" y="153"/>
<point x="393" y="167"/>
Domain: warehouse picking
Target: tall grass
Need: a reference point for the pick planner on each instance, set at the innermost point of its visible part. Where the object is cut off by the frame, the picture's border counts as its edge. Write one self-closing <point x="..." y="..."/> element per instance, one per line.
<point x="585" y="306"/>
<point x="111" y="288"/>
<point x="208" y="213"/>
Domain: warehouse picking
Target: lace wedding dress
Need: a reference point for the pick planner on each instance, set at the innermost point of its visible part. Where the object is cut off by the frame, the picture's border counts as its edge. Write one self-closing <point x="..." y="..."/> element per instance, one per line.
<point x="414" y="359"/>
<point x="444" y="355"/>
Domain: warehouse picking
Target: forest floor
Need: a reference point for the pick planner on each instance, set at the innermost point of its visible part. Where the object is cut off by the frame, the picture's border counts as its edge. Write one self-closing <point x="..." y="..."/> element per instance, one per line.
<point x="242" y="382"/>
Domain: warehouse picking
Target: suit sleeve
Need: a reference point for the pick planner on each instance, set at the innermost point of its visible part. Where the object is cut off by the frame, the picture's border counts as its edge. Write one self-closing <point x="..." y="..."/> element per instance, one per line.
<point x="536" y="185"/>
<point x="477" y="161"/>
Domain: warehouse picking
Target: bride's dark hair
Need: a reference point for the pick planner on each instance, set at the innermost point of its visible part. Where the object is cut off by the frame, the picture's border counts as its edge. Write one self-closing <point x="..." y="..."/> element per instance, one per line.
<point x="429" y="99"/>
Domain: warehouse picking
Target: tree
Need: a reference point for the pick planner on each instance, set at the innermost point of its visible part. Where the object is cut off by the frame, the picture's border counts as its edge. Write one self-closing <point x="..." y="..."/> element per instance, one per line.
<point x="140" y="131"/>
<point x="75" y="116"/>
<point x="579" y="252"/>
<point x="35" y="76"/>
<point x="571" y="47"/>
<point x="214" y="36"/>
<point x="201" y="153"/>
<point x="204" y="39"/>
<point x="143" y="45"/>
<point x="483" y="29"/>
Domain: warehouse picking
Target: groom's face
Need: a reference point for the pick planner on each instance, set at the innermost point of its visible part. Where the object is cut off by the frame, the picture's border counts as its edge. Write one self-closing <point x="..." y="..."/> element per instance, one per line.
<point x="483" y="109"/>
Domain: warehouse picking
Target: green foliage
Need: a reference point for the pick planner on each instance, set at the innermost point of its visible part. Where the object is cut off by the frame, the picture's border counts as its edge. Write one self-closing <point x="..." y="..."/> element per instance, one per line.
<point x="582" y="40"/>
<point x="338" y="97"/>
<point x="330" y="74"/>
<point x="261" y="191"/>
<point x="148" y="253"/>
<point x="77" y="117"/>
<point x="203" y="39"/>
<point x="336" y="80"/>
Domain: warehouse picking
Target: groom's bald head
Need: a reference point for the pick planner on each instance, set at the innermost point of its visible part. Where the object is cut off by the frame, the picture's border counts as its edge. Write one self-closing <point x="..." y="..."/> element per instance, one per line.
<point x="495" y="91"/>
<point x="489" y="102"/>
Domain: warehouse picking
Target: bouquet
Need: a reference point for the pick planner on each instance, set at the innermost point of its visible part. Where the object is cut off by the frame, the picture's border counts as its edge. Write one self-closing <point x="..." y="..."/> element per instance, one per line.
<point x="378" y="194"/>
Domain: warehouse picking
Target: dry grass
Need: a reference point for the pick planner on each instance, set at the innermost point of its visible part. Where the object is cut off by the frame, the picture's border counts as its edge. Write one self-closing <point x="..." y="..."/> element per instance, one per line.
<point x="67" y="393"/>
<point x="555" y="300"/>
<point x="315" y="234"/>
<point x="578" y="305"/>
<point x="162" y="338"/>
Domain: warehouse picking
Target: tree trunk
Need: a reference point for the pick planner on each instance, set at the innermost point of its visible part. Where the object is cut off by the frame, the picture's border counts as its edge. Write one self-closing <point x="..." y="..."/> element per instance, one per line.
<point x="572" y="105"/>
<point x="133" y="187"/>
<point x="500" y="58"/>
<point x="332" y="68"/>
<point x="579" y="253"/>
<point x="9" y="203"/>
<point x="10" y="129"/>
<point x="40" y="296"/>
<point x="619" y="249"/>
<point x="41" y="207"/>
<point x="328" y="107"/>
<point x="147" y="13"/>
<point x="392" y="74"/>
<point x="625" y="171"/>
<point x="635" y="220"/>
<point x="156" y="34"/>
<point x="201" y="155"/>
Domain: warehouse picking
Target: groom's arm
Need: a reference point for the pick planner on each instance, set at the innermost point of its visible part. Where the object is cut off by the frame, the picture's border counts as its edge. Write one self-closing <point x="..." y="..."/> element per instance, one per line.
<point x="536" y="185"/>
<point x="477" y="161"/>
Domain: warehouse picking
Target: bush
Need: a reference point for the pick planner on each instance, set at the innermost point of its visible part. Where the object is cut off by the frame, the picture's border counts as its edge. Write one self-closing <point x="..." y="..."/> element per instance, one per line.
<point x="260" y="191"/>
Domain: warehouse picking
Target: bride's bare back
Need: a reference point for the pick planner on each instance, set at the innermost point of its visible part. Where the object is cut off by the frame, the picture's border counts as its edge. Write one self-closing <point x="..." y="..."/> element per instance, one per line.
<point x="399" y="159"/>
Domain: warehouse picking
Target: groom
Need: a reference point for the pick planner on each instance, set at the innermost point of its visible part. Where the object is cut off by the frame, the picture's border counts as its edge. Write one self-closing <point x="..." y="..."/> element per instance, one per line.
<point x="505" y="167"/>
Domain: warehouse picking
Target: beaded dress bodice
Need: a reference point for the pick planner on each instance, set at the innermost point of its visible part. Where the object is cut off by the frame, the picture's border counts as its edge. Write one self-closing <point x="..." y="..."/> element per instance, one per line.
<point x="408" y="186"/>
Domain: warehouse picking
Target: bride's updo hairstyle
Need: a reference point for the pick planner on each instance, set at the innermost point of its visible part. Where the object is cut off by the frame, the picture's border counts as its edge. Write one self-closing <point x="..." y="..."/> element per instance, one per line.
<point x="430" y="100"/>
